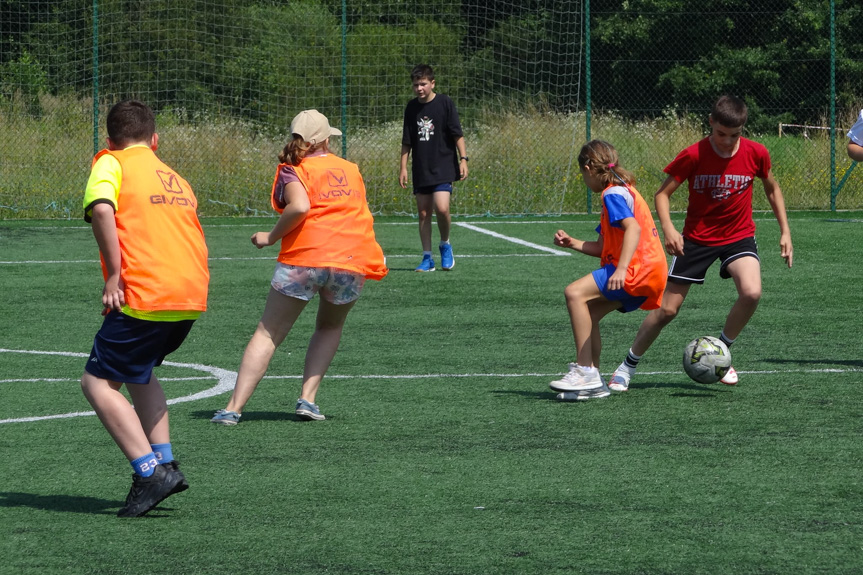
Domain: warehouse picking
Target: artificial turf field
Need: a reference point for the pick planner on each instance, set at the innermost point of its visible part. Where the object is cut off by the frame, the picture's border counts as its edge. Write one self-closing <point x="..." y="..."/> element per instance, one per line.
<point x="444" y="451"/>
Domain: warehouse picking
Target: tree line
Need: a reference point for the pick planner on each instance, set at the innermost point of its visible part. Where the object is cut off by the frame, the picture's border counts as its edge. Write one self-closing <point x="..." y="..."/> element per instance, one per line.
<point x="250" y="60"/>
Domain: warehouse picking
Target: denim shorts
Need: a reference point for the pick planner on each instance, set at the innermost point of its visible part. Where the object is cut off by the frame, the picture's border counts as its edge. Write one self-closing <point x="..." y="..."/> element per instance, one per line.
<point x="336" y="286"/>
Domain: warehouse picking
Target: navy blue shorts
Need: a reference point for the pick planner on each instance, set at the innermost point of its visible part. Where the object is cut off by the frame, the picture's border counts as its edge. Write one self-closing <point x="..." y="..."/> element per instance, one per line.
<point x="432" y="189"/>
<point x="691" y="267"/>
<point x="126" y="349"/>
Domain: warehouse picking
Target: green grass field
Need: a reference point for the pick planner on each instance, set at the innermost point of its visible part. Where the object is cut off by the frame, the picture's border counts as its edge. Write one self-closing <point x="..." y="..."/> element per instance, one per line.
<point x="444" y="451"/>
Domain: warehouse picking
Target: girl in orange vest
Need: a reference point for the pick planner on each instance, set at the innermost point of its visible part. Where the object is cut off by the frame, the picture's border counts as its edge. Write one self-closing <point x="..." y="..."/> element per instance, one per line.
<point x="633" y="271"/>
<point x="327" y="245"/>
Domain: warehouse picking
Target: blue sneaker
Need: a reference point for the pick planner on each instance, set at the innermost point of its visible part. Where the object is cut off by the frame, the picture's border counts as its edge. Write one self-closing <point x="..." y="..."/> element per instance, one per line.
<point x="447" y="262"/>
<point x="226" y="417"/>
<point x="427" y="265"/>
<point x="309" y="411"/>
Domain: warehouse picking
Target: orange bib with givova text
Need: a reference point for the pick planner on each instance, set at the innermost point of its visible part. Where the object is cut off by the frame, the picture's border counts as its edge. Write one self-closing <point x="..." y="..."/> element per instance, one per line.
<point x="338" y="230"/>
<point x="164" y="255"/>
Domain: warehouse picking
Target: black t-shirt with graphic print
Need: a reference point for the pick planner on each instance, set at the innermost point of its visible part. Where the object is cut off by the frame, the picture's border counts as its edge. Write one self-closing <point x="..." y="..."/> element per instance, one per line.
<point x="430" y="130"/>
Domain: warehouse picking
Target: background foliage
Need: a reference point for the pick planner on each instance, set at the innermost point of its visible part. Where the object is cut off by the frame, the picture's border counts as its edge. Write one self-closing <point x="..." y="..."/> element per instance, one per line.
<point x="247" y="67"/>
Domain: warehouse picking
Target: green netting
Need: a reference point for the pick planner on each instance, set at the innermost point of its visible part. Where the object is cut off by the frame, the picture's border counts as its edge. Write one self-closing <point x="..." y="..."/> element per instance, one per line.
<point x="226" y="76"/>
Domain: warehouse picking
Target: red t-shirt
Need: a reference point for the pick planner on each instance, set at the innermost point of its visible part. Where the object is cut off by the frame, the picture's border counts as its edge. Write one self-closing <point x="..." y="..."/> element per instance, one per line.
<point x="720" y="190"/>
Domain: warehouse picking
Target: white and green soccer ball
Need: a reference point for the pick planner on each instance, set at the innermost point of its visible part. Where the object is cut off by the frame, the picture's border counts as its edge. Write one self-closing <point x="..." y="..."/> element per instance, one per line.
<point x="706" y="359"/>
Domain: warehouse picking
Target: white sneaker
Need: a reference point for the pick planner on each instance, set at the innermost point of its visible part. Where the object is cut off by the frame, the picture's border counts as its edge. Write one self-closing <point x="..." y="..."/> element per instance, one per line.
<point x="621" y="377"/>
<point x="730" y="378"/>
<point x="579" y="378"/>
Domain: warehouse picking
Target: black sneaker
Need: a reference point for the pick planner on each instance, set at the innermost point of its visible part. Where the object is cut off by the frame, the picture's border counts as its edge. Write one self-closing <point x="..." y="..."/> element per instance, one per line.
<point x="147" y="492"/>
<point x="174" y="467"/>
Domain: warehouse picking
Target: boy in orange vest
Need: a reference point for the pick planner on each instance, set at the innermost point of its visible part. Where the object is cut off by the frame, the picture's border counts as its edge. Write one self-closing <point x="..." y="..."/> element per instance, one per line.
<point x="154" y="262"/>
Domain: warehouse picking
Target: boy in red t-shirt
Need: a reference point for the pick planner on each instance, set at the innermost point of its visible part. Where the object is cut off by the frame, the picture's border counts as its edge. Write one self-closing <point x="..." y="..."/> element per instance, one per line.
<point x="720" y="169"/>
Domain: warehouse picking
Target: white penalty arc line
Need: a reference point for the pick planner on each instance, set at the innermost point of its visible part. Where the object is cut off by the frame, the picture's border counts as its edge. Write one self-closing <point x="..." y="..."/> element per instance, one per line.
<point x="225" y="381"/>
<point x="512" y="239"/>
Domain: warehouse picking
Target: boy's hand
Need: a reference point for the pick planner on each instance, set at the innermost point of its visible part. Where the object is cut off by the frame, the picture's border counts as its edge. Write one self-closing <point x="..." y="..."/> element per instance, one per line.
<point x="562" y="239"/>
<point x="786" y="249"/>
<point x="673" y="242"/>
<point x="403" y="177"/>
<point x="113" y="296"/>
<point x="261" y="239"/>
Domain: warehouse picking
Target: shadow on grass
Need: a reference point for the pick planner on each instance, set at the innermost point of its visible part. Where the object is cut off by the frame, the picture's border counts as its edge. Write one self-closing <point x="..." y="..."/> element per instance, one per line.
<point x="257" y="416"/>
<point x="66" y="503"/>
<point x="686" y="390"/>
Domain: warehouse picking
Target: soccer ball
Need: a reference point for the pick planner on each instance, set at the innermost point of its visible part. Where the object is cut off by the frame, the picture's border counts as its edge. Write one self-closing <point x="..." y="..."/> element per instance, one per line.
<point x="706" y="359"/>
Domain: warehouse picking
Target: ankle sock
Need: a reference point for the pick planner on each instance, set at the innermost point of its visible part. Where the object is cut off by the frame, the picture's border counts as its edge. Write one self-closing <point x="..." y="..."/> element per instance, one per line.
<point x="725" y="339"/>
<point x="145" y="465"/>
<point x="631" y="360"/>
<point x="163" y="452"/>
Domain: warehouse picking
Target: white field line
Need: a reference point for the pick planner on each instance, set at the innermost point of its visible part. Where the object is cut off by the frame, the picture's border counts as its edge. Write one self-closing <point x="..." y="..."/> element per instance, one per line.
<point x="414" y="376"/>
<point x="465" y="225"/>
<point x="513" y="239"/>
<point x="225" y="381"/>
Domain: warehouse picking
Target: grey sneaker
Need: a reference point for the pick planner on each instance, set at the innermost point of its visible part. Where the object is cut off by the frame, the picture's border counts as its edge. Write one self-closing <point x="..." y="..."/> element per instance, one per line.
<point x="584" y="394"/>
<point x="309" y="411"/>
<point x="226" y="417"/>
<point x="577" y="379"/>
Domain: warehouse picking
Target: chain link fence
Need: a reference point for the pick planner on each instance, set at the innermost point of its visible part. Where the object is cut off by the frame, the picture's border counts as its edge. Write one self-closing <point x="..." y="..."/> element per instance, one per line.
<point x="532" y="80"/>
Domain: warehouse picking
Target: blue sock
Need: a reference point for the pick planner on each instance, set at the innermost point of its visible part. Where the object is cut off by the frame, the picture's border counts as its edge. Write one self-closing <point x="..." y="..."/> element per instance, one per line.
<point x="145" y="466"/>
<point x="163" y="452"/>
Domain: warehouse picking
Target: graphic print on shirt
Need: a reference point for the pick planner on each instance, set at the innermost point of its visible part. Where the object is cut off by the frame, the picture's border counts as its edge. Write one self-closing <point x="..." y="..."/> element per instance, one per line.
<point x="426" y="128"/>
<point x="337" y="177"/>
<point x="173" y="185"/>
<point x="721" y="186"/>
<point x="170" y="182"/>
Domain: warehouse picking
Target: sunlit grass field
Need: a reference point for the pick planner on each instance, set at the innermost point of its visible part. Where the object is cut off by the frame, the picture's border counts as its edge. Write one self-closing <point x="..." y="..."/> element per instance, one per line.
<point x="444" y="450"/>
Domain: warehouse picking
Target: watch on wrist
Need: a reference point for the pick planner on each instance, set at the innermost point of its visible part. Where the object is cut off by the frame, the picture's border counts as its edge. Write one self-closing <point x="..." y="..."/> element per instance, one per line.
<point x="465" y="158"/>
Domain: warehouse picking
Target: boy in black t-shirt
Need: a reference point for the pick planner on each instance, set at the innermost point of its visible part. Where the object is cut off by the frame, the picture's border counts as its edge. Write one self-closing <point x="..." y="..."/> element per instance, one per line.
<point x="433" y="131"/>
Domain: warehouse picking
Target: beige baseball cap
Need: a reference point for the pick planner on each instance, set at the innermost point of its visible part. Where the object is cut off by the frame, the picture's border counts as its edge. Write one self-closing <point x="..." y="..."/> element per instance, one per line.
<point x="313" y="127"/>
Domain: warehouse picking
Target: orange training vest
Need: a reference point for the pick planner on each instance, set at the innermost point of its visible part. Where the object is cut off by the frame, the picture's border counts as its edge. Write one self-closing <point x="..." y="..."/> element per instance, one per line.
<point x="164" y="255"/>
<point x="648" y="269"/>
<point x="338" y="231"/>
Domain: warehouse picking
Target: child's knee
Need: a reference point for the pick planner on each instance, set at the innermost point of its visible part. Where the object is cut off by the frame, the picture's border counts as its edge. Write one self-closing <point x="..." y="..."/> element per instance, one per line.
<point x="667" y="313"/>
<point x="573" y="293"/>
<point x="750" y="296"/>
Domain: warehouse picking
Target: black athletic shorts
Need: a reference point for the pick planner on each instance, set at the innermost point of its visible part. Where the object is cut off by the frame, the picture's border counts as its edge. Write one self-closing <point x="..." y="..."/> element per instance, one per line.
<point x="126" y="349"/>
<point x="691" y="267"/>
